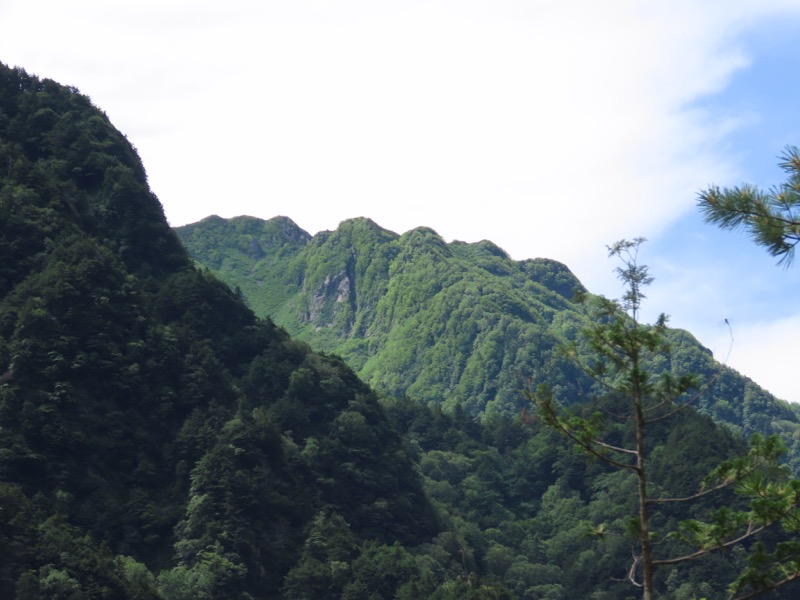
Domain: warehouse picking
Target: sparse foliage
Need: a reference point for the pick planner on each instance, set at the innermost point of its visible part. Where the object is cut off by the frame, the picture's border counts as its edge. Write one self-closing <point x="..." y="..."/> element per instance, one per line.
<point x="635" y="398"/>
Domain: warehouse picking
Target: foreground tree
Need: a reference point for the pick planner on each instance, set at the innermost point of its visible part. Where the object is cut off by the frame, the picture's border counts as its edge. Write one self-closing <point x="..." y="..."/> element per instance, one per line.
<point x="635" y="397"/>
<point x="770" y="217"/>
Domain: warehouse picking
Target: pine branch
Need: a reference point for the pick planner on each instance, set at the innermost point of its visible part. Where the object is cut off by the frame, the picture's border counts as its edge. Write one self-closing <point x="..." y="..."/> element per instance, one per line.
<point x="706" y="551"/>
<point x="773" y="586"/>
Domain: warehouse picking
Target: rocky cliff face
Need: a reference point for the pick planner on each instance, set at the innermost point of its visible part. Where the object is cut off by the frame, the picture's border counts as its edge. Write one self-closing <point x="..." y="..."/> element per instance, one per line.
<point x="334" y="297"/>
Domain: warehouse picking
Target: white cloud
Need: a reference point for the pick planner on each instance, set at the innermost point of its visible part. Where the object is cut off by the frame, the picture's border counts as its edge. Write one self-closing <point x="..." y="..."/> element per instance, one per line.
<point x="549" y="127"/>
<point x="765" y="352"/>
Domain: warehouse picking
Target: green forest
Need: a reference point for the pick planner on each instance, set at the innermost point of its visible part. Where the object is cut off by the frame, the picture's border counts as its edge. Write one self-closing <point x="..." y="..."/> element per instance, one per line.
<point x="446" y="324"/>
<point x="239" y="410"/>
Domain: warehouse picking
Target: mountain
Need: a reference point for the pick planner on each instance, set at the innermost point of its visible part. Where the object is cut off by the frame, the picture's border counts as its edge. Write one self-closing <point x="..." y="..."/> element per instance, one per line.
<point x="446" y="324"/>
<point x="149" y="422"/>
<point x="452" y="324"/>
<point x="158" y="440"/>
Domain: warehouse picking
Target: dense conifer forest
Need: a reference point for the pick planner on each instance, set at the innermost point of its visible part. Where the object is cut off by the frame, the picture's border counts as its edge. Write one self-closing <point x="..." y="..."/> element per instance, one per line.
<point x="161" y="440"/>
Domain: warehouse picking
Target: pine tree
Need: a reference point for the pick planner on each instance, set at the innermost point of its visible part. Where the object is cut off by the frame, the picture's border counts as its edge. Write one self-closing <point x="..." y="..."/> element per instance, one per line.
<point x="769" y="217"/>
<point x="635" y="398"/>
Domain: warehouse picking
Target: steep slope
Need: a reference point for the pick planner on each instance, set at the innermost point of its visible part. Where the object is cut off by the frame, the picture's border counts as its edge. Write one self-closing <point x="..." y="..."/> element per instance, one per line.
<point x="157" y="440"/>
<point x="450" y="324"/>
<point x="457" y="323"/>
<point x="149" y="422"/>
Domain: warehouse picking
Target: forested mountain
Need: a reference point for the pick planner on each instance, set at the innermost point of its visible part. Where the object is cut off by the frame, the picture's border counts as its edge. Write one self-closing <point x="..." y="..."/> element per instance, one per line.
<point x="158" y="440"/>
<point x="145" y="411"/>
<point x="446" y="324"/>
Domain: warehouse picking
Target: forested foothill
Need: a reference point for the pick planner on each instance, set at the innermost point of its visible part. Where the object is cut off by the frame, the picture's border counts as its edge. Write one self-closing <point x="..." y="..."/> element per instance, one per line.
<point x="161" y="439"/>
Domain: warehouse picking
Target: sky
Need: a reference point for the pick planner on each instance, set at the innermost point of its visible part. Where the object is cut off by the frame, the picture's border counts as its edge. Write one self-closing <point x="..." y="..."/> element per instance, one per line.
<point x="550" y="127"/>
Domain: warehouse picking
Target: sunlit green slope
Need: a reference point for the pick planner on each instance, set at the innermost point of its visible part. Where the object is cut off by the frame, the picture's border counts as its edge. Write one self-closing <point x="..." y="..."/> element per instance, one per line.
<point x="447" y="324"/>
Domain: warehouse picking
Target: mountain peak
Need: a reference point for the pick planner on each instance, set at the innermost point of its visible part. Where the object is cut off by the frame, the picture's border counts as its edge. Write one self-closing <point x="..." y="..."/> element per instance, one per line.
<point x="361" y="223"/>
<point x="286" y="226"/>
<point x="146" y="415"/>
<point x="553" y="275"/>
<point x="481" y="247"/>
<point x="450" y="324"/>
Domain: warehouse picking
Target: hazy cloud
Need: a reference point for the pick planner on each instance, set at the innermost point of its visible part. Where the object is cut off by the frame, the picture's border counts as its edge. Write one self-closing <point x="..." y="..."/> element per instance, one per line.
<point x="549" y="127"/>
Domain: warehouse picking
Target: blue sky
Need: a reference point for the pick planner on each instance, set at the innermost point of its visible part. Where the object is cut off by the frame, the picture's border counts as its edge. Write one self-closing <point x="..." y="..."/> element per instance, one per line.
<point x="706" y="275"/>
<point x="550" y="127"/>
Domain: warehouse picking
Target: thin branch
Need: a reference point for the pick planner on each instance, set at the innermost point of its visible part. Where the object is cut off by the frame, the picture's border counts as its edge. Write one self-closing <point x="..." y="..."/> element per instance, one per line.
<point x="721" y="486"/>
<point x="772" y="215"/>
<point x="773" y="586"/>
<point x="750" y="532"/>
<point x="631" y="576"/>
<point x="588" y="448"/>
<point x="615" y="448"/>
<point x="703" y="389"/>
<point x="706" y="551"/>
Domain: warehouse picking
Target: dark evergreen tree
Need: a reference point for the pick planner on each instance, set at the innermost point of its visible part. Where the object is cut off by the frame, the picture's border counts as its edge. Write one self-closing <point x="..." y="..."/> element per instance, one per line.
<point x="145" y="412"/>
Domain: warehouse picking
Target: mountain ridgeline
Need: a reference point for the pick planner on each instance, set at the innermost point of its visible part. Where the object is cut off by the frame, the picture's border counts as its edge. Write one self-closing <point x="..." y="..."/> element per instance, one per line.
<point x="445" y="324"/>
<point x="143" y="407"/>
<point x="450" y="324"/>
<point x="160" y="440"/>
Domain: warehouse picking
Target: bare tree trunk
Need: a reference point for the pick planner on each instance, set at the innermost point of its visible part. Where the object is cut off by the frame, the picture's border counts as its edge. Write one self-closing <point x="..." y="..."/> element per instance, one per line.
<point x="644" y="517"/>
